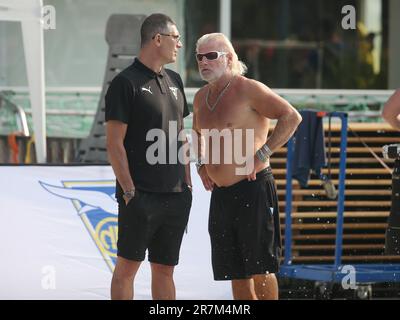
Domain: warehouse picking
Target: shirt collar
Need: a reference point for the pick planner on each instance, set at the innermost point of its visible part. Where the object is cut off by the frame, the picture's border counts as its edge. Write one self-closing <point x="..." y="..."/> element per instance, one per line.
<point x="142" y="67"/>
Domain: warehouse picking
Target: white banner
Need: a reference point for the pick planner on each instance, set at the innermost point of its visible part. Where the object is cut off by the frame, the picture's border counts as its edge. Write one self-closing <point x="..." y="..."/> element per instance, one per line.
<point x="58" y="237"/>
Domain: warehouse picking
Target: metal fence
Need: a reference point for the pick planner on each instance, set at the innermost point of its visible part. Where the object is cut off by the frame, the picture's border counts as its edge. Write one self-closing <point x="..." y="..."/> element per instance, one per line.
<point x="71" y="111"/>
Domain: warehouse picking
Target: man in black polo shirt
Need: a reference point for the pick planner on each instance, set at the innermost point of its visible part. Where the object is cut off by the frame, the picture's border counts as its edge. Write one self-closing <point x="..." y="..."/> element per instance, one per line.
<point x="154" y="196"/>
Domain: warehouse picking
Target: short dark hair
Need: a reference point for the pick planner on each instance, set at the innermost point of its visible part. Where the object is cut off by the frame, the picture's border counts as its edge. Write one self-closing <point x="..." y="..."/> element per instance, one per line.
<point x="153" y="24"/>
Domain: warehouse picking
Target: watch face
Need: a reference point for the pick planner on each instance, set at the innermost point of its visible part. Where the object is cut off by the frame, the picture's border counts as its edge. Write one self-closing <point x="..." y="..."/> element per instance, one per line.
<point x="129" y="194"/>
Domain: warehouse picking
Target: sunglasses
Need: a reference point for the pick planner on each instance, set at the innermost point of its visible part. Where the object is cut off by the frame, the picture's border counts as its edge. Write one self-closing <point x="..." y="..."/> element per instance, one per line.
<point x="213" y="55"/>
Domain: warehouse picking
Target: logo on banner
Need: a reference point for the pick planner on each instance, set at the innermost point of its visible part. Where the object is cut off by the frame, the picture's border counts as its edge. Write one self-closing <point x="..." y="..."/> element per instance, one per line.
<point x="95" y="204"/>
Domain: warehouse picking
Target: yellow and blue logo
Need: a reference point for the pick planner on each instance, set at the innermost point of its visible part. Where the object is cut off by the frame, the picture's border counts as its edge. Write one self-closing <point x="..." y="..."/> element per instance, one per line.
<point x="96" y="205"/>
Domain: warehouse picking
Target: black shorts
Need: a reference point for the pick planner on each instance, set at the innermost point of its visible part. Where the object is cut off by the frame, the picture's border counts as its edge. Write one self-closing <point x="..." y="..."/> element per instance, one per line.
<point x="154" y="222"/>
<point x="244" y="228"/>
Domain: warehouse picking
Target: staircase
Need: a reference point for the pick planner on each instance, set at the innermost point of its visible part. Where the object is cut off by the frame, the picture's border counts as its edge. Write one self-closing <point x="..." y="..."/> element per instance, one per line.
<point x="367" y="200"/>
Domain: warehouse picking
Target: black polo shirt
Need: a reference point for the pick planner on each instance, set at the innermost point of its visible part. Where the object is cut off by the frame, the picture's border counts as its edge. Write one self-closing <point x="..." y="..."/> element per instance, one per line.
<point x="146" y="100"/>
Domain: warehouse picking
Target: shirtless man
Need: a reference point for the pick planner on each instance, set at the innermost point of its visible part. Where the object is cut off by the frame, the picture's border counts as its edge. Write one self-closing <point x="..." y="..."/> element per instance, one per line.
<point x="244" y="217"/>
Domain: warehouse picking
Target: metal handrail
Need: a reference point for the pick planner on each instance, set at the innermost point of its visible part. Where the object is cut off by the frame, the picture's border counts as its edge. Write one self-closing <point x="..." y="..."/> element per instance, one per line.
<point x="22" y="122"/>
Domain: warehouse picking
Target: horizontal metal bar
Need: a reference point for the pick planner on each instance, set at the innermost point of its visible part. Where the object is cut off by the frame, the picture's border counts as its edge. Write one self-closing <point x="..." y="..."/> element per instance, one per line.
<point x="78" y="90"/>
<point x="192" y="91"/>
<point x="60" y="112"/>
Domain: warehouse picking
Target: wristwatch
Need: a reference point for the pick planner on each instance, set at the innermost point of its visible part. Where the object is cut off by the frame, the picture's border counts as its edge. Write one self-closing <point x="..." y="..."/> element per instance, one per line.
<point x="128" y="195"/>
<point x="199" y="164"/>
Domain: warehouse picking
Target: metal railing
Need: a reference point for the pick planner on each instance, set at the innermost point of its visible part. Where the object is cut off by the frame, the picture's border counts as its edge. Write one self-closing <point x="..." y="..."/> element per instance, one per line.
<point x="71" y="111"/>
<point x="20" y="114"/>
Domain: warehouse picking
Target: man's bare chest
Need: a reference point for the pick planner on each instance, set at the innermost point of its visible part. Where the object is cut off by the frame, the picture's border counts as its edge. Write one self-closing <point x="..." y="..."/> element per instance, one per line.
<point x="227" y="115"/>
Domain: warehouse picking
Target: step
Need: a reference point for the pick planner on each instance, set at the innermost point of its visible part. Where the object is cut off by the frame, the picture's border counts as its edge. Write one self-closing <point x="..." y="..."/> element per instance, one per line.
<point x="371" y="258"/>
<point x="363" y="236"/>
<point x="316" y="247"/>
<point x="349" y="182"/>
<point x="332" y="226"/>
<point x="358" y="160"/>
<point x="350" y="214"/>
<point x="350" y="203"/>
<point x="321" y="192"/>
<point x="349" y="171"/>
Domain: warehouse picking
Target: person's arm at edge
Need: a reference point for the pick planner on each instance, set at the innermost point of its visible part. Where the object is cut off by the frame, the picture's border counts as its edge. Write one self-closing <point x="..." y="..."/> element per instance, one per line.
<point x="391" y="110"/>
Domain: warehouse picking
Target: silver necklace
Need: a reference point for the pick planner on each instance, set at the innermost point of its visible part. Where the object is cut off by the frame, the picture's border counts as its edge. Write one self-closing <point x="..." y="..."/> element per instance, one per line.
<point x="219" y="96"/>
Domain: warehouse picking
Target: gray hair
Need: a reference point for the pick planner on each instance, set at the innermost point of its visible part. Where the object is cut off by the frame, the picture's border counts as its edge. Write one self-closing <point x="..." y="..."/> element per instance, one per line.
<point x="238" y="67"/>
<point x="153" y="24"/>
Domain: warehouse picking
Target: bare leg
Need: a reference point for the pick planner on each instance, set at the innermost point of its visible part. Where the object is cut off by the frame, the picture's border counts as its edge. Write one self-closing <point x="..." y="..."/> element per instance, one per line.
<point x="266" y="286"/>
<point x="162" y="282"/>
<point x="243" y="289"/>
<point x="123" y="277"/>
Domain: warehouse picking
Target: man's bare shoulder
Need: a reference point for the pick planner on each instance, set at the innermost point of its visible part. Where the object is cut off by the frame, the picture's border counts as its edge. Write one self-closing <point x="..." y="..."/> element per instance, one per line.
<point x="251" y="89"/>
<point x="251" y="84"/>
